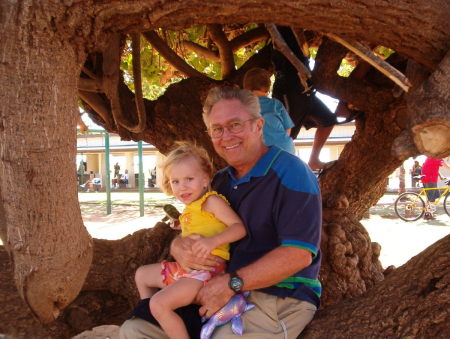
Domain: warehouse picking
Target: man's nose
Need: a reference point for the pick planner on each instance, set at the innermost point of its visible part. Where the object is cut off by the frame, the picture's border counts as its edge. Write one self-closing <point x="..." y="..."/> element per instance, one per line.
<point x="226" y="133"/>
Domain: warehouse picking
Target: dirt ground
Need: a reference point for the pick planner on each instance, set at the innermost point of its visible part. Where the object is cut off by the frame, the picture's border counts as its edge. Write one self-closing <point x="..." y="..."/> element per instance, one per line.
<point x="400" y="240"/>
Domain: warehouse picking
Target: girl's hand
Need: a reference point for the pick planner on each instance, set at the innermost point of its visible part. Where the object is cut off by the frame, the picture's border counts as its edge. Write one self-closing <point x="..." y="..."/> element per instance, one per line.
<point x="203" y="247"/>
<point x="181" y="250"/>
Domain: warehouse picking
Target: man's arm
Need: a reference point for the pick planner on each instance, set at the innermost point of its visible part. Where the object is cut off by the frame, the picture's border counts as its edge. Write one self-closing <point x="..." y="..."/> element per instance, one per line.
<point x="278" y="264"/>
<point x="445" y="165"/>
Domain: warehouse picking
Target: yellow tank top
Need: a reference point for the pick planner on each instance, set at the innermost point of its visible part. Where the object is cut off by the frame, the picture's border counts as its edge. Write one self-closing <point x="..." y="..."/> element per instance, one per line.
<point x="195" y="220"/>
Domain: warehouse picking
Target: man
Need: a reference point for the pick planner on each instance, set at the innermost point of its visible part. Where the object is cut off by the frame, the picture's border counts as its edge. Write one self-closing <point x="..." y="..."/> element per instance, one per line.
<point x="278" y="198"/>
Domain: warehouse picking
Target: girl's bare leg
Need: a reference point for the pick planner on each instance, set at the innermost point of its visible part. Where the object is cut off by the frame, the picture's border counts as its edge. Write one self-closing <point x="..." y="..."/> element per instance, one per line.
<point x="148" y="280"/>
<point x="162" y="305"/>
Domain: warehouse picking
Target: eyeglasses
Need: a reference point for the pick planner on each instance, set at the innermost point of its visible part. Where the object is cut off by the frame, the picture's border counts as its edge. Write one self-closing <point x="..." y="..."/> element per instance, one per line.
<point x="233" y="127"/>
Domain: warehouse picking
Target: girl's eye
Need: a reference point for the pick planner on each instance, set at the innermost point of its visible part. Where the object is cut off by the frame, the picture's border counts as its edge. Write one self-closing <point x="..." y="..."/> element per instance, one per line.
<point x="190" y="179"/>
<point x="174" y="181"/>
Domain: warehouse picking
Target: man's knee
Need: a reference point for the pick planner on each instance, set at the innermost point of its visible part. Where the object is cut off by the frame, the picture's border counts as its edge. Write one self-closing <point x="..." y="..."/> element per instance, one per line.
<point x="137" y="328"/>
<point x="128" y="330"/>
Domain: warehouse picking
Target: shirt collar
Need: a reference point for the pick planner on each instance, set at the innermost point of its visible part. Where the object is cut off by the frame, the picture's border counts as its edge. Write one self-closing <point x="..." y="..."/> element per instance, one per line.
<point x="260" y="169"/>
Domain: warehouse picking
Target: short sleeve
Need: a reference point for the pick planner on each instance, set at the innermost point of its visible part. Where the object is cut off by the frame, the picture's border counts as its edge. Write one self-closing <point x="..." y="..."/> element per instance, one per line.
<point x="298" y="209"/>
<point x="284" y="116"/>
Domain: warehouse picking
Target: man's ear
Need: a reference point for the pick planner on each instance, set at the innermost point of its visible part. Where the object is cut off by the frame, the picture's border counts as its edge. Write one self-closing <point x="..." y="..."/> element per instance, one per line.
<point x="260" y="123"/>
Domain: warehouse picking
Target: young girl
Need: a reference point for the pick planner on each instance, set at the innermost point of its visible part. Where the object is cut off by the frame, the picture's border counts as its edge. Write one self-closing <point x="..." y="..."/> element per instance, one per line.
<point x="187" y="173"/>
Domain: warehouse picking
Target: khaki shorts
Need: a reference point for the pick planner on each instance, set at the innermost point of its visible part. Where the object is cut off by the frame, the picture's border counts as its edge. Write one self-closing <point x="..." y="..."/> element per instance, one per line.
<point x="272" y="318"/>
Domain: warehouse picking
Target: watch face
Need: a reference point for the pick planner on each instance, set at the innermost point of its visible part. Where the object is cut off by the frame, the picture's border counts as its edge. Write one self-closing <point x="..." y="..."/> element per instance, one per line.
<point x="236" y="284"/>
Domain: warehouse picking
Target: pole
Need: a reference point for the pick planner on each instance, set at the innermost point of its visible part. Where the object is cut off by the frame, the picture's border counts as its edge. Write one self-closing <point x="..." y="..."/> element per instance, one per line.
<point x="108" y="175"/>
<point x="141" y="180"/>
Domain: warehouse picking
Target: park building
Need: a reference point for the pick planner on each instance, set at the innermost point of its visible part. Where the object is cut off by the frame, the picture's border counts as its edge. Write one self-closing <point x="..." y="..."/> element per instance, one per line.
<point x="91" y="149"/>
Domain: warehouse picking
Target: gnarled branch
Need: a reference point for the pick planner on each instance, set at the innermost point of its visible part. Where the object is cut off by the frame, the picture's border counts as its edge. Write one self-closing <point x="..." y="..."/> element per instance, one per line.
<point x="98" y="105"/>
<point x="90" y="85"/>
<point x="201" y="50"/>
<point x="303" y="72"/>
<point x="171" y="57"/>
<point x="301" y="40"/>
<point x="140" y="108"/>
<point x="237" y="43"/>
<point x="366" y="54"/>
<point x="111" y="79"/>
<point x="226" y="54"/>
<point x="325" y="78"/>
<point x="249" y="37"/>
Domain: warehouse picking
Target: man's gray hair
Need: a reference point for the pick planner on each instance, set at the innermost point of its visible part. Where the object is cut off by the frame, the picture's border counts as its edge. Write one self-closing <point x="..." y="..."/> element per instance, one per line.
<point x="247" y="98"/>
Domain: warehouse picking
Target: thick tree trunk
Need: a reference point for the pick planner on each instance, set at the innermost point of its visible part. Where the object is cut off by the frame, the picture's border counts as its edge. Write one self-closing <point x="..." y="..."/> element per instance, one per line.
<point x="412" y="302"/>
<point x="108" y="294"/>
<point x="41" y="225"/>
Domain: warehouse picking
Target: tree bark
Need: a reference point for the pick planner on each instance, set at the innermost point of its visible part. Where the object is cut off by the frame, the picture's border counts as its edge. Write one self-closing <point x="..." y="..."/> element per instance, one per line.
<point x="429" y="113"/>
<point x="412" y="302"/>
<point x="41" y="224"/>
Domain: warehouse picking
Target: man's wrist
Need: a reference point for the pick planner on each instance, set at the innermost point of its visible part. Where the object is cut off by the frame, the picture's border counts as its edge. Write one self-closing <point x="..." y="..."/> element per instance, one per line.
<point x="235" y="282"/>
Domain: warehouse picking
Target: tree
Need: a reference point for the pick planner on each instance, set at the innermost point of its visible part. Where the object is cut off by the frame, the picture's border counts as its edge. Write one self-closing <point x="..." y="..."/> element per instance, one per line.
<point x="49" y="48"/>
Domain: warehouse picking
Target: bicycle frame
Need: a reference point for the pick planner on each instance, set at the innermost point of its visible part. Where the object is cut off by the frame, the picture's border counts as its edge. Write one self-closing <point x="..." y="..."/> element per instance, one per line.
<point x="443" y="194"/>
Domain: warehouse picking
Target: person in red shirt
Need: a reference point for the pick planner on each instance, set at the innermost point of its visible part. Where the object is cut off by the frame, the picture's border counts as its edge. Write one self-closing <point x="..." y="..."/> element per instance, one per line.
<point x="430" y="169"/>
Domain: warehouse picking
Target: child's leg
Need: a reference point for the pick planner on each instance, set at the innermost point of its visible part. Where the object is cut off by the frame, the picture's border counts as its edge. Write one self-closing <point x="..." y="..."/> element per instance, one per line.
<point x="162" y="305"/>
<point x="148" y="280"/>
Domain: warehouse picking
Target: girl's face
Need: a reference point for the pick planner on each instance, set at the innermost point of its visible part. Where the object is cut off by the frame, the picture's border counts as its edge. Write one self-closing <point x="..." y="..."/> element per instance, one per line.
<point x="188" y="180"/>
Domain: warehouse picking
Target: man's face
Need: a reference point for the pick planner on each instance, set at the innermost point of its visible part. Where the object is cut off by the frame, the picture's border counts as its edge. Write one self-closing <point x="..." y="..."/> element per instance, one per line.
<point x="238" y="149"/>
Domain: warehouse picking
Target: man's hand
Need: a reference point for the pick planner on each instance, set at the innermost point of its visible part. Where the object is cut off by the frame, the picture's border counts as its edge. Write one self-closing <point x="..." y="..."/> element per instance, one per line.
<point x="203" y="247"/>
<point x="181" y="250"/>
<point x="214" y="295"/>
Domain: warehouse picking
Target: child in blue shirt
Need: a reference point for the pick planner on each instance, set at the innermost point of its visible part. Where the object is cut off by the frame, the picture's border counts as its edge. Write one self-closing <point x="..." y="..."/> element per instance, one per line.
<point x="277" y="122"/>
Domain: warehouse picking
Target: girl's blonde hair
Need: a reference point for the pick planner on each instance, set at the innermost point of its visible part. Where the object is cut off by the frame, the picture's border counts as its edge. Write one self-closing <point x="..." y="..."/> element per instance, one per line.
<point x="183" y="150"/>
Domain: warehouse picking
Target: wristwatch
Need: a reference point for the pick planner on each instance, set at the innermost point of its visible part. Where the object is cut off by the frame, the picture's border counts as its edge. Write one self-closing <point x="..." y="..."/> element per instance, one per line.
<point x="235" y="283"/>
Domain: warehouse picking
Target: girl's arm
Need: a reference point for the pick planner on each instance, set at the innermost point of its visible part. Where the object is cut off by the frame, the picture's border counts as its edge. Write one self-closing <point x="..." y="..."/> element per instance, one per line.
<point x="223" y="212"/>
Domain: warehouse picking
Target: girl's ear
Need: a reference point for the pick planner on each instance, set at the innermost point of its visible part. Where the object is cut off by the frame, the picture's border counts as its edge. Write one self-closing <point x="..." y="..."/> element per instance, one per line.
<point x="206" y="181"/>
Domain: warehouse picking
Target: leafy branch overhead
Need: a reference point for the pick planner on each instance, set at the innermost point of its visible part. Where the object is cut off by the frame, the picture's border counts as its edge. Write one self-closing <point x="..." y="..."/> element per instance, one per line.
<point x="213" y="53"/>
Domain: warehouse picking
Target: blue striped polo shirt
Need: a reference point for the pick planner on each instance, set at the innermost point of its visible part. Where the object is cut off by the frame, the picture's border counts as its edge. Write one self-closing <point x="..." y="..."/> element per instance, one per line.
<point x="279" y="202"/>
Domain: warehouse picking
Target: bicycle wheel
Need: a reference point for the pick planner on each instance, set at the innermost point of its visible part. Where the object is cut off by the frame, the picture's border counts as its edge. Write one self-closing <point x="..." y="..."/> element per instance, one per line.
<point x="409" y="206"/>
<point x="447" y="204"/>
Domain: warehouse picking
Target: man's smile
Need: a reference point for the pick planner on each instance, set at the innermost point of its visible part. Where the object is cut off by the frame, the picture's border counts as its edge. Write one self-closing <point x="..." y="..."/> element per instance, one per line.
<point x="232" y="146"/>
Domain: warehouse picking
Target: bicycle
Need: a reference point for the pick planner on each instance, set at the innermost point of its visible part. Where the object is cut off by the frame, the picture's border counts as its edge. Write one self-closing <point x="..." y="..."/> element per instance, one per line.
<point x="410" y="206"/>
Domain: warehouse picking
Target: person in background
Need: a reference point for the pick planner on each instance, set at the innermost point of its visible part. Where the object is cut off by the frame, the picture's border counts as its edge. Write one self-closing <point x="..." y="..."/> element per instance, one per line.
<point x="430" y="170"/>
<point x="416" y="170"/>
<point x="124" y="178"/>
<point x="303" y="105"/>
<point x="277" y="122"/>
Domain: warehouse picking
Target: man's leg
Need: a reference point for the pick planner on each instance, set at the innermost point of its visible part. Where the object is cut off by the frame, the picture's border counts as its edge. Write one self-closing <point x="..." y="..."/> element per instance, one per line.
<point x="320" y="138"/>
<point x="271" y="318"/>
<point x="137" y="328"/>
